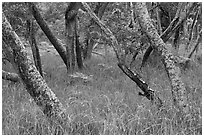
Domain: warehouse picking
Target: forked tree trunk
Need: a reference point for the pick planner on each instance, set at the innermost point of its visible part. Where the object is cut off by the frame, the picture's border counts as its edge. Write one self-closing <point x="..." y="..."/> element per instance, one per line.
<point x="70" y="20"/>
<point x="178" y="89"/>
<point x="43" y="25"/>
<point x="33" y="81"/>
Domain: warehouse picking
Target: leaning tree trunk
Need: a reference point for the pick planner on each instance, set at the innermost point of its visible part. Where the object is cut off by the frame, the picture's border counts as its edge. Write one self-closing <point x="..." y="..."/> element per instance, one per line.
<point x="43" y="25"/>
<point x="178" y="89"/>
<point x="33" y="81"/>
<point x="34" y="47"/>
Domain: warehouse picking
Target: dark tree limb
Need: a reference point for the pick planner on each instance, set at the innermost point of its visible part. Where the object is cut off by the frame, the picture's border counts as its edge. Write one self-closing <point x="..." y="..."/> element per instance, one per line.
<point x="199" y="38"/>
<point x="174" y="25"/>
<point x="10" y="76"/>
<point x="43" y="25"/>
<point x="147" y="91"/>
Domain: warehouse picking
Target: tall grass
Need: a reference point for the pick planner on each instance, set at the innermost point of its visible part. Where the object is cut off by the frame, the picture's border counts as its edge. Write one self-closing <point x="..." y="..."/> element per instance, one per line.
<point x="109" y="104"/>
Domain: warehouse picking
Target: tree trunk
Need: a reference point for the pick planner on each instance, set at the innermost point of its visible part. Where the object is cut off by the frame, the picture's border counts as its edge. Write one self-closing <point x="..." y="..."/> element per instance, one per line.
<point x="34" y="47"/>
<point x="78" y="47"/>
<point x="33" y="81"/>
<point x="70" y="19"/>
<point x="43" y="25"/>
<point x="178" y="89"/>
<point x="10" y="76"/>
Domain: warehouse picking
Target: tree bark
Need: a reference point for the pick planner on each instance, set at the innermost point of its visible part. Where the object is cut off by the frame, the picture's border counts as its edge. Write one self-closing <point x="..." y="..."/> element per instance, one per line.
<point x="10" y="76"/>
<point x="178" y="89"/>
<point x="33" y="81"/>
<point x="78" y="48"/>
<point x="43" y="25"/>
<point x="34" y="47"/>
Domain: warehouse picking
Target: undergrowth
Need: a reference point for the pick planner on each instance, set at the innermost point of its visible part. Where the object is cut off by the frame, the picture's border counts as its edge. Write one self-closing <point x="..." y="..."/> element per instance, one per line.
<point x="107" y="105"/>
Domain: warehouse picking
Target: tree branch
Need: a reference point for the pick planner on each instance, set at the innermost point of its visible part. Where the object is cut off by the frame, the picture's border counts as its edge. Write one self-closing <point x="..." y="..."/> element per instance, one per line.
<point x="43" y="25"/>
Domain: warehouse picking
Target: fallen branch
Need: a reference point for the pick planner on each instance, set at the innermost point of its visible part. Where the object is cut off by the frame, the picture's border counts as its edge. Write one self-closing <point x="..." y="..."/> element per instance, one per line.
<point x="98" y="54"/>
<point x="148" y="92"/>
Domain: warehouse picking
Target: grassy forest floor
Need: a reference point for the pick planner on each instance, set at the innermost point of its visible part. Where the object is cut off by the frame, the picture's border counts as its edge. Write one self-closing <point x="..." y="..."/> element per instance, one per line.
<point x="108" y="104"/>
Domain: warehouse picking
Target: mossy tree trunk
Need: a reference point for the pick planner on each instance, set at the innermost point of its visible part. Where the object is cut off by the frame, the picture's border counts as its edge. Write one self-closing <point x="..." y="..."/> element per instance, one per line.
<point x="33" y="81"/>
<point x="178" y="89"/>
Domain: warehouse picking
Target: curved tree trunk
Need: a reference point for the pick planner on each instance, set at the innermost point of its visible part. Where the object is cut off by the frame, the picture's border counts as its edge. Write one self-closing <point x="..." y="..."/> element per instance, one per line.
<point x="178" y="89"/>
<point x="43" y="25"/>
<point x="33" y="81"/>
